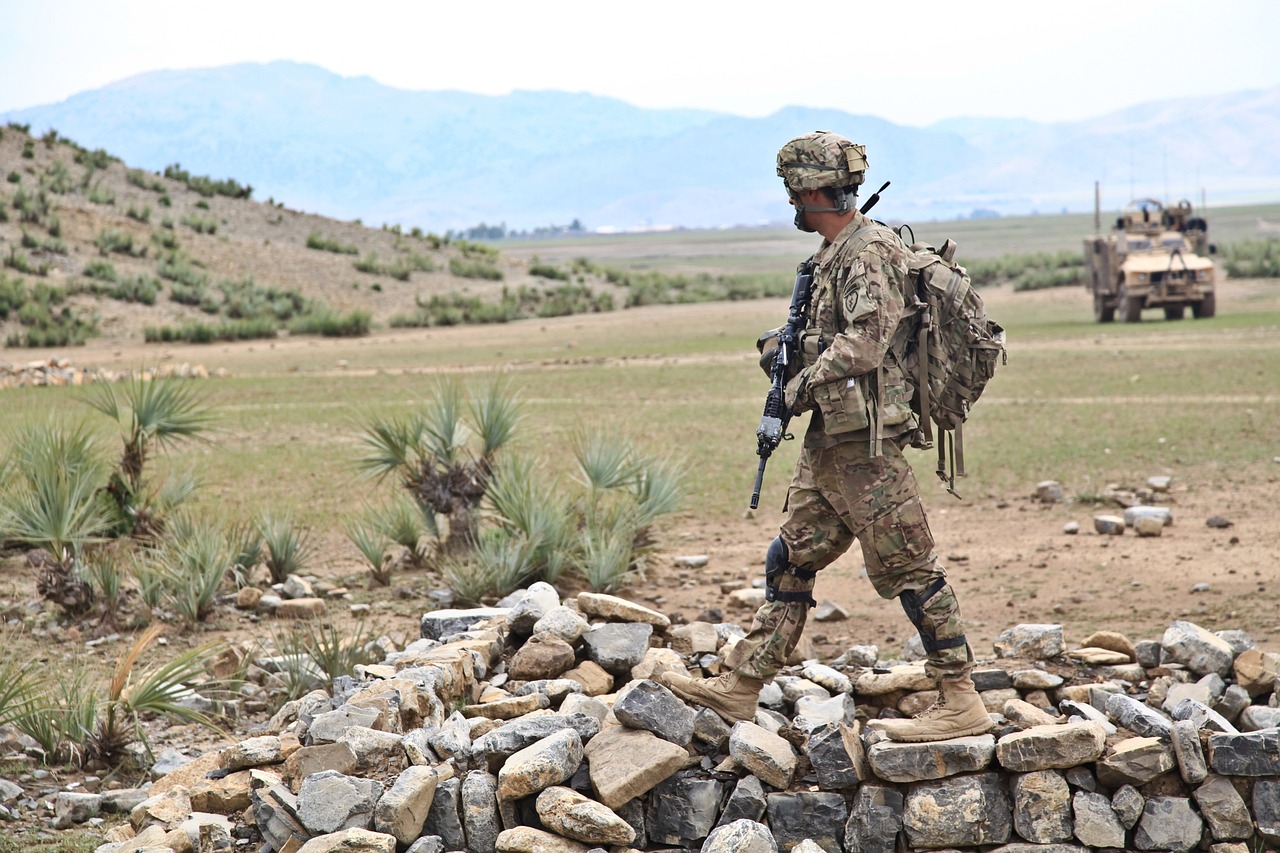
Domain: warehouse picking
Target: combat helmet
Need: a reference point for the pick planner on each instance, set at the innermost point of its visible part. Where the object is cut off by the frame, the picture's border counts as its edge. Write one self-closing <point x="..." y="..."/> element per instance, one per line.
<point x="822" y="159"/>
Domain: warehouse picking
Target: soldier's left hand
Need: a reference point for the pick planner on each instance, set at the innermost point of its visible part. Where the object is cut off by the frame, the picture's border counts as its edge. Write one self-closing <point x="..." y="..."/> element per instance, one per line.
<point x="797" y="394"/>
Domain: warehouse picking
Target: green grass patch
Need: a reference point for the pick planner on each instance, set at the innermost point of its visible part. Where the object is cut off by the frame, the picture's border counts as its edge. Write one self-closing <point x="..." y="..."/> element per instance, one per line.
<point x="330" y="324"/>
<point x="474" y="268"/>
<point x="330" y="244"/>
<point x="200" y="224"/>
<point x="207" y="333"/>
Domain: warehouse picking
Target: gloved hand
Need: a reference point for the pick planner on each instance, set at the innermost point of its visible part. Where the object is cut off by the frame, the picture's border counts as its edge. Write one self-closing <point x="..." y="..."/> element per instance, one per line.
<point x="767" y="346"/>
<point x="797" y="394"/>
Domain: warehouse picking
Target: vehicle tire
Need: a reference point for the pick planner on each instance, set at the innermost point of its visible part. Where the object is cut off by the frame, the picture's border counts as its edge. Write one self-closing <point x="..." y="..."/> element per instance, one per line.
<point x="1174" y="312"/>
<point x="1205" y="308"/>
<point x="1131" y="308"/>
<point x="1102" y="312"/>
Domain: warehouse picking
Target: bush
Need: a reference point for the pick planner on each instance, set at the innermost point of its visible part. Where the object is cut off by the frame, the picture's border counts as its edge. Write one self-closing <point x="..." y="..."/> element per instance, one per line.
<point x="57" y="179"/>
<point x="14" y="178"/>
<point x="331" y="325"/>
<point x="100" y="270"/>
<point x="98" y="194"/>
<point x="139" y="289"/>
<point x="53" y="246"/>
<point x="1253" y="259"/>
<point x="329" y="244"/>
<point x="23" y="264"/>
<point x="121" y="242"/>
<point x="144" y="180"/>
<point x="205" y="333"/>
<point x="142" y="214"/>
<point x="94" y="160"/>
<point x="206" y="186"/>
<point x="200" y="224"/>
<point x="464" y="268"/>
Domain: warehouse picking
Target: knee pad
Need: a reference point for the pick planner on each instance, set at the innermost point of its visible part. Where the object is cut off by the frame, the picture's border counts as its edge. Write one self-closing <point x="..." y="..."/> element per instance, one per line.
<point x="914" y="603"/>
<point x="777" y="566"/>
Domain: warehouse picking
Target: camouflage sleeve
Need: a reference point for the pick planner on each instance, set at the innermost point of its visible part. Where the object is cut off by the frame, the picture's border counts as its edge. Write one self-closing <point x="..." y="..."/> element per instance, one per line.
<point x="870" y="288"/>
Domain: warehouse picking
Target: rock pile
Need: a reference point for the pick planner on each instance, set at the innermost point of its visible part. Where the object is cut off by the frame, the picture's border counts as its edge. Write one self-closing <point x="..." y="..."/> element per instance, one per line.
<point x="540" y="726"/>
<point x="60" y="371"/>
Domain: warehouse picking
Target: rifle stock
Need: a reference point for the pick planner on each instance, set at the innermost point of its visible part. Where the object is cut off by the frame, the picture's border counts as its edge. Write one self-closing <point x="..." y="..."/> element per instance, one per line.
<point x="773" y="422"/>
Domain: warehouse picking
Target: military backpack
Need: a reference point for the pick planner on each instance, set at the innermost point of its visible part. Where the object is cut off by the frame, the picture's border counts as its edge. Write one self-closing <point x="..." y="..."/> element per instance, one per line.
<point x="945" y="342"/>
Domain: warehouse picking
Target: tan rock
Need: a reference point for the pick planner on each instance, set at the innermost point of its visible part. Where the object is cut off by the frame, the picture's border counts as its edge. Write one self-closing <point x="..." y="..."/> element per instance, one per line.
<point x="1025" y="715"/>
<point x="1098" y="657"/>
<point x="248" y="597"/>
<point x="568" y="813"/>
<point x="403" y="808"/>
<point x="312" y="759"/>
<point x="223" y="796"/>
<point x="526" y="839"/>
<point x="351" y="841"/>
<point x="626" y="763"/>
<point x="508" y="708"/>
<point x="543" y="656"/>
<point x="166" y="810"/>
<point x="621" y="610"/>
<point x="1256" y="671"/>
<point x="300" y="608"/>
<point x="1113" y="640"/>
<point x="655" y="662"/>
<point x="695" y="638"/>
<point x="909" y="678"/>
<point x="594" y="679"/>
<point x="188" y="774"/>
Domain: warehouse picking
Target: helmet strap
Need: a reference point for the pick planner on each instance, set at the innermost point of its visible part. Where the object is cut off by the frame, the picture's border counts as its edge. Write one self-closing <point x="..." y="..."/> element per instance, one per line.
<point x="844" y="204"/>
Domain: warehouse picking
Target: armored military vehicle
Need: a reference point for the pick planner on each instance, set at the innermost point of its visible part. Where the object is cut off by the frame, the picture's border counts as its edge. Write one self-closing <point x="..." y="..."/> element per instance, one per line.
<point x="1156" y="257"/>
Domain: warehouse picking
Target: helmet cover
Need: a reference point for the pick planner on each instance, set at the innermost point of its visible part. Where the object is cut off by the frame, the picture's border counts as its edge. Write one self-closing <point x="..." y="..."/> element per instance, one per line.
<point x="821" y="159"/>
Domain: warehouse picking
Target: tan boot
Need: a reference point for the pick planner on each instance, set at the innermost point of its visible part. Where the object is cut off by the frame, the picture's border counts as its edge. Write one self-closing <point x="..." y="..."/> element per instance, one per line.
<point x="730" y="695"/>
<point x="959" y="712"/>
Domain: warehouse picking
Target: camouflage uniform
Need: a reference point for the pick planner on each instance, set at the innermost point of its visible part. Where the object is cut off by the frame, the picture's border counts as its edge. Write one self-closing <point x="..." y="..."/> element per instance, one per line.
<point x="852" y="480"/>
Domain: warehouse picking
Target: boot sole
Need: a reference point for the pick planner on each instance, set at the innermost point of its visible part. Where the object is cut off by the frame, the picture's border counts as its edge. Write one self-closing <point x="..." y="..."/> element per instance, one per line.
<point x="976" y="730"/>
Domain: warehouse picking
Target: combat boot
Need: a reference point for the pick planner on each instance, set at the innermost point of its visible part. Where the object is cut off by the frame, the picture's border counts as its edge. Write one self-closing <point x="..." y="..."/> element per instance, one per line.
<point x="730" y="695"/>
<point x="958" y="712"/>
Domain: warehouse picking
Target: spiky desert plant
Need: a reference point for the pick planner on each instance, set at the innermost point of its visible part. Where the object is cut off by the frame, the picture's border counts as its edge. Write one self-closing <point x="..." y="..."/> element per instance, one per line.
<point x="367" y="535"/>
<point x="506" y="558"/>
<point x="194" y="564"/>
<point x="525" y="499"/>
<point x="658" y="488"/>
<point x="247" y="550"/>
<point x="288" y="548"/>
<point x="153" y="415"/>
<point x="605" y="552"/>
<point x="59" y="714"/>
<point x="604" y="462"/>
<point x="403" y="522"/>
<point x="106" y="573"/>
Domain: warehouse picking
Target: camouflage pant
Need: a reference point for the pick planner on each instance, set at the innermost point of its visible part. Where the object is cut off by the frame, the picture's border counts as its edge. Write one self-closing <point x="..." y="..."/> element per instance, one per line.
<point x="839" y="494"/>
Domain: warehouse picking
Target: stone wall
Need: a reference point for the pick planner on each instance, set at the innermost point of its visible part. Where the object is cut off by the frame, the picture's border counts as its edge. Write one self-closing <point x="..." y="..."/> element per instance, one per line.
<point x="539" y="726"/>
<point x="60" y="371"/>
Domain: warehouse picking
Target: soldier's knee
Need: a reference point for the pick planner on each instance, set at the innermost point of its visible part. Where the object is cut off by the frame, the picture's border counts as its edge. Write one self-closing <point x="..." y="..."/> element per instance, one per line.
<point x="783" y="581"/>
<point x="931" y="610"/>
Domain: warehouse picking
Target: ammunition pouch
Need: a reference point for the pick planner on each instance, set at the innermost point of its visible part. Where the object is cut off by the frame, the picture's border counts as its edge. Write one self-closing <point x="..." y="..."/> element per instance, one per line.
<point x="779" y="571"/>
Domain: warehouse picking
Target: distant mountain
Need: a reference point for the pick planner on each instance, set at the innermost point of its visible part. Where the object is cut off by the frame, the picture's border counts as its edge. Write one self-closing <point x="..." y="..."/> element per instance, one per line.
<point x="353" y="148"/>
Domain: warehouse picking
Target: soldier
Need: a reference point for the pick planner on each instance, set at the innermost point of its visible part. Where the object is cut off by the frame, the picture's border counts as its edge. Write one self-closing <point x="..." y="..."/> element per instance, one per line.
<point x="851" y="480"/>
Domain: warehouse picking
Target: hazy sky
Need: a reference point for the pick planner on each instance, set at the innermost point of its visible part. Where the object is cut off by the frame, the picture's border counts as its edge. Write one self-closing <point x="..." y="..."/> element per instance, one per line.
<point x="911" y="62"/>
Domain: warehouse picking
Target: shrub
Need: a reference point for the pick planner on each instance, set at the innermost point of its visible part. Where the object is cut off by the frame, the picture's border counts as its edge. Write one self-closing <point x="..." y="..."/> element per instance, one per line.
<point x="481" y="269"/>
<point x="206" y="186"/>
<point x="57" y="179"/>
<point x="98" y="194"/>
<point x="52" y="246"/>
<point x="142" y="214"/>
<point x="1253" y="259"/>
<point x="94" y="160"/>
<point x="121" y="242"/>
<point x="176" y="268"/>
<point x="547" y="271"/>
<point x="287" y="548"/>
<point x="100" y="270"/>
<point x="329" y="324"/>
<point x="329" y="244"/>
<point x="204" y="333"/>
<point x="14" y="178"/>
<point x="23" y="264"/>
<point x="200" y="225"/>
<point x="144" y="180"/>
<point x="28" y="150"/>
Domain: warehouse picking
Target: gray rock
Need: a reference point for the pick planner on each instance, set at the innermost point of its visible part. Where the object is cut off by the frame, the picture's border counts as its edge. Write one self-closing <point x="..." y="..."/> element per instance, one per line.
<point x="523" y="732"/>
<point x="453" y="740"/>
<point x="10" y="791"/>
<point x="1081" y="778"/>
<point x="794" y="688"/>
<point x="865" y="656"/>
<point x="1137" y="717"/>
<point x="740" y="836"/>
<point x="747" y="802"/>
<point x="439" y="624"/>
<point x="403" y="809"/>
<point x="710" y="729"/>
<point x="547" y="762"/>
<point x="994" y="679"/>
<point x="917" y="762"/>
<point x="1050" y="492"/>
<point x="555" y="689"/>
<point x="762" y="754"/>
<point x="480" y="811"/>
<point x="275" y="811"/>
<point x="1266" y="809"/>
<point x="875" y="819"/>
<point x="1161" y="514"/>
<point x="1096" y="823"/>
<point x="942" y="813"/>
<point x="1202" y="716"/>
<point x="1135" y="761"/>
<point x="444" y="819"/>
<point x="1148" y="653"/>
<point x="1035" y="679"/>
<point x="122" y="800"/>
<point x="168" y="761"/>
<point x="832" y="680"/>
<point x="580" y="703"/>
<point x="1086" y="713"/>
<point x="1109" y="525"/>
<point x="75" y="807"/>
<point x="1168" y="823"/>
<point x="1223" y="809"/>
<point x="568" y="813"/>
<point x="427" y="844"/>
<point x="328" y="801"/>
<point x="829" y="611"/>
<point x="817" y="816"/>
<point x="1252" y="754"/>
<point x="1051" y="747"/>
<point x="253" y="752"/>
<point x="812" y="712"/>
<point x="1128" y="804"/>
<point x="683" y="809"/>
<point x="1233" y="702"/>
<point x="563" y="622"/>
<point x="1239" y="641"/>
<point x="1038" y="642"/>
<point x="632" y="812"/>
<point x="329" y="727"/>
<point x="297" y="587"/>
<point x="652" y="707"/>
<point x="1258" y="717"/>
<point x="375" y="750"/>
<point x="1197" y="649"/>
<point x="835" y="753"/>
<point x="1041" y="801"/>
<point x="617" y="646"/>
<point x="626" y="763"/>
<point x="534" y="603"/>
<point x="1190" y="755"/>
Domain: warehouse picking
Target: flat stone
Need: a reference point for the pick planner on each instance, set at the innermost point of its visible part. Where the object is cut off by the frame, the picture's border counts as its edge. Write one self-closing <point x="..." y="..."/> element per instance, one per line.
<point x="350" y="841"/>
<point x="1097" y="657"/>
<point x="1113" y="640"/>
<point x="1223" y="809"/>
<point x="594" y="680"/>
<point x="1137" y="717"/>
<point x="832" y="680"/>
<point x="1252" y="754"/>
<point x="829" y="611"/>
<point x="1168" y="823"/>
<point x="1135" y="761"/>
<point x="1199" y="650"/>
<point x="991" y="679"/>
<point x="224" y="796"/>
<point x="619" y="609"/>
<point x="815" y="816"/>
<point x="627" y="763"/>
<point x="1041" y="806"/>
<point x="1256" y="671"/>
<point x="253" y="752"/>
<point x="1096" y="823"/>
<point x="506" y="740"/>
<point x="332" y="725"/>
<point x="694" y="638"/>
<point x="526" y="839"/>
<point x="1025" y="715"/>
<point x="917" y="762"/>
<point x="650" y="706"/>
<point x="439" y="624"/>
<point x="682" y="810"/>
<point x="548" y="762"/>
<point x="899" y="678"/>
<point x="875" y="819"/>
<point x="657" y="661"/>
<point x="710" y="729"/>
<point x="1189" y="753"/>
<point x="568" y="813"/>
<point x="812" y="713"/>
<point x="1161" y="515"/>
<point x="402" y="809"/>
<point x="740" y="836"/>
<point x="76" y="807"/>
<point x="375" y="750"/>
<point x="762" y="754"/>
<point x="1050" y="747"/>
<point x="1034" y="641"/>
<point x="959" y="811"/>
<point x="329" y="801"/>
<point x="507" y="708"/>
<point x="480" y="817"/>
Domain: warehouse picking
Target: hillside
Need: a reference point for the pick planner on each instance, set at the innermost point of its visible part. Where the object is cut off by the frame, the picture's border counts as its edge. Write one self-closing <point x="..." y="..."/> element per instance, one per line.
<point x="126" y="249"/>
<point x="351" y="147"/>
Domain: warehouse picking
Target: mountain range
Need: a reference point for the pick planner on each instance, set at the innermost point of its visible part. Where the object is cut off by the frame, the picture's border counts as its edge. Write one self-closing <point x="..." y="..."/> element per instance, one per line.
<point x="352" y="148"/>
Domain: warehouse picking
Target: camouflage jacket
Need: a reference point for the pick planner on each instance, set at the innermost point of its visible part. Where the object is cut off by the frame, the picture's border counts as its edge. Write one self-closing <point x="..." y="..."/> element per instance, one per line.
<point x="858" y="301"/>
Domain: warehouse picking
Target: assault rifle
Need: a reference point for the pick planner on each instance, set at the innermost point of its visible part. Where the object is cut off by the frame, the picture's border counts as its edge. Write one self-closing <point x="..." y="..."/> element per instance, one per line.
<point x="773" y="423"/>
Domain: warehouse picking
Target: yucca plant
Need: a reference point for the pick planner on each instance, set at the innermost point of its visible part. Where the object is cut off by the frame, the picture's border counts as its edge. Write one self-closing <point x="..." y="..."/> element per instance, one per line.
<point x="604" y="462"/>
<point x="370" y="540"/>
<point x="248" y="550"/>
<point x="403" y="521"/>
<point x="194" y="563"/>
<point x="106" y="573"/>
<point x="59" y="714"/>
<point x="287" y="548"/>
<point x="153" y="415"/>
<point x="658" y="488"/>
<point x="525" y="500"/>
<point x="606" y="552"/>
<point x="505" y="558"/>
